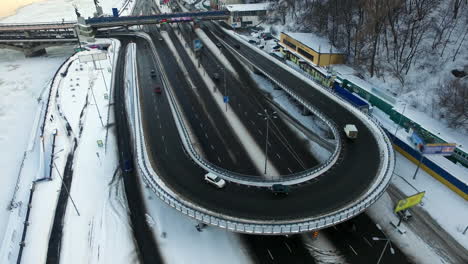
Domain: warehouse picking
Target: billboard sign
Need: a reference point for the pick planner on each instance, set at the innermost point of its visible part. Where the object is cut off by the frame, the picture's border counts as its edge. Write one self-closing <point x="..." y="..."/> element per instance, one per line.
<point x="409" y="201"/>
<point x="115" y="12"/>
<point x="417" y="141"/>
<point x="197" y="44"/>
<point x="445" y="149"/>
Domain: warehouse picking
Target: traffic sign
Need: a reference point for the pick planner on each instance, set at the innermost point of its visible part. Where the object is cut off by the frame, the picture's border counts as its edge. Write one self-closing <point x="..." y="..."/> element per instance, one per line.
<point x="409" y="201"/>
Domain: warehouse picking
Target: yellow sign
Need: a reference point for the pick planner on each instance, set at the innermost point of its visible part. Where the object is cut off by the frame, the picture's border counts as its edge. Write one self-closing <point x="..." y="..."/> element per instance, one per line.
<point x="409" y="201"/>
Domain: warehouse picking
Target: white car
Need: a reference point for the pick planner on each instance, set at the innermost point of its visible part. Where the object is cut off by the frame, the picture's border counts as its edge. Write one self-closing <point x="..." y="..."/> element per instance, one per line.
<point x="215" y="180"/>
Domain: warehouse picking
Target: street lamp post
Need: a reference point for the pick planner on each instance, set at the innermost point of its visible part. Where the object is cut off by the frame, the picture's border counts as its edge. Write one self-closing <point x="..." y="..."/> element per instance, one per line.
<point x="267" y="116"/>
<point x="225" y="88"/>
<point x="392" y="250"/>
<point x="399" y="121"/>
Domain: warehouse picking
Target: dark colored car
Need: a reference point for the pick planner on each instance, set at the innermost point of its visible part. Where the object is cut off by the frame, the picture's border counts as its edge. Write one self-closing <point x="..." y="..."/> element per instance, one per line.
<point x="216" y="76"/>
<point x="237" y="46"/>
<point x="158" y="90"/>
<point x="280" y="189"/>
<point x="127" y="166"/>
<point x="153" y="74"/>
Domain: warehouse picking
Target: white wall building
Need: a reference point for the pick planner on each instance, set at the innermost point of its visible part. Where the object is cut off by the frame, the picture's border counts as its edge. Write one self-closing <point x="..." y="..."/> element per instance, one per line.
<point x="246" y="15"/>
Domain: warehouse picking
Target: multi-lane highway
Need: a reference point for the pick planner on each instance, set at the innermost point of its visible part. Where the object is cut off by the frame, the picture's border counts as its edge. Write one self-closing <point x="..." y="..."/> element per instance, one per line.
<point x="341" y="185"/>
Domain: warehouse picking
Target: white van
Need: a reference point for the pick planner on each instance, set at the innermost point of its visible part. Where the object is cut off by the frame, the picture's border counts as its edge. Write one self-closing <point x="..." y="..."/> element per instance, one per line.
<point x="351" y="131"/>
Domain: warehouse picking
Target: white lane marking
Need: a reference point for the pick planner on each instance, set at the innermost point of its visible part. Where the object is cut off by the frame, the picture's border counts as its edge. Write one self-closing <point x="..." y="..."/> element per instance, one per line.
<point x="335" y="227"/>
<point x="260" y="132"/>
<point x="219" y="159"/>
<point x="201" y="125"/>
<point x="271" y="256"/>
<point x="365" y="239"/>
<point x="288" y="247"/>
<point x="163" y="138"/>
<point x="290" y="171"/>
<point x="277" y="155"/>
<point x="245" y="113"/>
<point x="196" y="116"/>
<point x="212" y="147"/>
<point x="353" y="250"/>
<point x="253" y="123"/>
<point x="206" y="135"/>
<point x="157" y="116"/>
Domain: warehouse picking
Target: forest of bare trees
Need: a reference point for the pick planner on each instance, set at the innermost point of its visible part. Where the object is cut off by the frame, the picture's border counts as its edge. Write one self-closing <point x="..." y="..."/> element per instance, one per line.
<point x="386" y="37"/>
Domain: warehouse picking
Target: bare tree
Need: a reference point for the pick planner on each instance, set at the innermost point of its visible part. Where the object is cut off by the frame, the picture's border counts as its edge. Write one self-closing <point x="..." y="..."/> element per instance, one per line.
<point x="453" y="99"/>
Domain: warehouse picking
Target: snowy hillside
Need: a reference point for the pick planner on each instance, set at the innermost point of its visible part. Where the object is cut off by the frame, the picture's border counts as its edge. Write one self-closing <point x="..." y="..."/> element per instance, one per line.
<point x="409" y="48"/>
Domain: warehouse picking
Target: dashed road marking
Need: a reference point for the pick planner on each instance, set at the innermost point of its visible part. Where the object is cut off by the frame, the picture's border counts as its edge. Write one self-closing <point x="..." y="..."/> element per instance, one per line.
<point x="367" y="241"/>
<point x="269" y="253"/>
<point x="288" y="247"/>
<point x="353" y="250"/>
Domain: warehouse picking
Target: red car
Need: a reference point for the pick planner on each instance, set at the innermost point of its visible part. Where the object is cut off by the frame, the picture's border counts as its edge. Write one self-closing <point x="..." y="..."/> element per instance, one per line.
<point x="158" y="90"/>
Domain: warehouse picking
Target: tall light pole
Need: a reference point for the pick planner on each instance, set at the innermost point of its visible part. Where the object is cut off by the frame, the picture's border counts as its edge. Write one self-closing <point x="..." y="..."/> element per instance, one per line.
<point x="386" y="244"/>
<point x="267" y="116"/>
<point x="225" y="88"/>
<point x="399" y="121"/>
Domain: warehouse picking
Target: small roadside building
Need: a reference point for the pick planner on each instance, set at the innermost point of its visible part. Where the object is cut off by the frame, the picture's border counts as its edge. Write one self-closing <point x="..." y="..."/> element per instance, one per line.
<point x="308" y="47"/>
<point x="246" y="15"/>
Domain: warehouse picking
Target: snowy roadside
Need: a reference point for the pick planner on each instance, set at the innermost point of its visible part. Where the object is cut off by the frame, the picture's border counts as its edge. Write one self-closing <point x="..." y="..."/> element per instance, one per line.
<point x="97" y="190"/>
<point x="24" y="83"/>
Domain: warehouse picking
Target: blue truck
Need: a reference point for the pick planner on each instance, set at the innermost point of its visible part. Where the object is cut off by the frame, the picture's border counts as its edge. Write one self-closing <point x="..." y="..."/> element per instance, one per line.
<point x="350" y="97"/>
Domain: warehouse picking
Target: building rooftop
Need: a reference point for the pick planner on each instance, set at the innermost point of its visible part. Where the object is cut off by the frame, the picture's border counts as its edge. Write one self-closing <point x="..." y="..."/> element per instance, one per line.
<point x="248" y="7"/>
<point x="314" y="42"/>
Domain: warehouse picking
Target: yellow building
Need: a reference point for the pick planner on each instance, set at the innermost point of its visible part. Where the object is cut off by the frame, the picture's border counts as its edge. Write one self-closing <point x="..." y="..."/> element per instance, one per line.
<point x="308" y="46"/>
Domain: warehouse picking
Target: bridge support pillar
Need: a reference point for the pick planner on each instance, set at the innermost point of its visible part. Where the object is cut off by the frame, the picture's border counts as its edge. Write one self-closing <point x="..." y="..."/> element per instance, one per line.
<point x="34" y="52"/>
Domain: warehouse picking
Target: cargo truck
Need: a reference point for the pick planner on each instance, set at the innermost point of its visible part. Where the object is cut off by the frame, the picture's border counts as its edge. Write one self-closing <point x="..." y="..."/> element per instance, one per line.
<point x="351" y="131"/>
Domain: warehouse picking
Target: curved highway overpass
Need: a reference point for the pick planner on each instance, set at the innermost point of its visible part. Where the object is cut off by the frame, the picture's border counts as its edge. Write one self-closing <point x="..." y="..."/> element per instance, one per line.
<point x="353" y="183"/>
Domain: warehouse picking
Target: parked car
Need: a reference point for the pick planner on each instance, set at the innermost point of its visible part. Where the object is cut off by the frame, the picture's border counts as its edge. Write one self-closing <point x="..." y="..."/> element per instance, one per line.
<point x="153" y="74"/>
<point x="215" y="180"/>
<point x="237" y="46"/>
<point x="127" y="166"/>
<point x="280" y="189"/>
<point x="405" y="214"/>
<point x="158" y="89"/>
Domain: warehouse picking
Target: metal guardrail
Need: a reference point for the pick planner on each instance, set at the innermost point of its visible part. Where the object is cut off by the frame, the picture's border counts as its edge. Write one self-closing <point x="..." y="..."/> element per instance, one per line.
<point x="58" y="23"/>
<point x="238" y="224"/>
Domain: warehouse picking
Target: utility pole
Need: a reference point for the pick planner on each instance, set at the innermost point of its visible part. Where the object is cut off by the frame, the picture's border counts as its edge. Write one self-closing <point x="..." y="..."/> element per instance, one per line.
<point x="399" y="121"/>
<point x="267" y="116"/>
<point x="225" y="89"/>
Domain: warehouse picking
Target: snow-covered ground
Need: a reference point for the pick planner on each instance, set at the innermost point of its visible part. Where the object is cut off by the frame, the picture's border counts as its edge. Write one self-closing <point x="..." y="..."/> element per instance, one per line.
<point x="89" y="230"/>
<point x="24" y="86"/>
